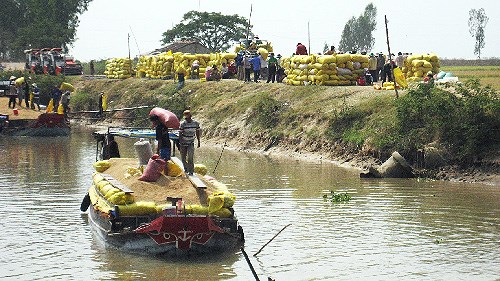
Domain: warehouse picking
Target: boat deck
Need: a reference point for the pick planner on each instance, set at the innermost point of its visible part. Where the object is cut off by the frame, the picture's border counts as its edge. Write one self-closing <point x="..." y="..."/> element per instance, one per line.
<point x="177" y="187"/>
<point x="24" y="113"/>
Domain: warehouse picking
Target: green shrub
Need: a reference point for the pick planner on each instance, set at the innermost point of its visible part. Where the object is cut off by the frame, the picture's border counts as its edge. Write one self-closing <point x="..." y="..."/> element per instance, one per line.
<point x="83" y="100"/>
<point x="265" y="113"/>
<point x="99" y="67"/>
<point x="346" y="123"/>
<point x="466" y="120"/>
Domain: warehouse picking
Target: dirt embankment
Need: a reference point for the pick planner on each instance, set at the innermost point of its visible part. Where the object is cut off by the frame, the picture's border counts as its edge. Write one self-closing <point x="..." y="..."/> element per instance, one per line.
<point x="274" y="119"/>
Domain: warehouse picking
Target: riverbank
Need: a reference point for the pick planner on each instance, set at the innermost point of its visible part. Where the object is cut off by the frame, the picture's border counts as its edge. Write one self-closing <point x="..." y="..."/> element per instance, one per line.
<point x="348" y="125"/>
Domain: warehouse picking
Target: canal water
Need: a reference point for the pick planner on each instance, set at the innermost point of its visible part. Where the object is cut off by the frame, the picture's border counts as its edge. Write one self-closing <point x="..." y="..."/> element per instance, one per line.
<point x="390" y="230"/>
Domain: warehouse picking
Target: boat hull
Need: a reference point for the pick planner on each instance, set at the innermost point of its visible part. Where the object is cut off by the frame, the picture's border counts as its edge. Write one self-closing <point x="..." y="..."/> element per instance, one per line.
<point x="137" y="234"/>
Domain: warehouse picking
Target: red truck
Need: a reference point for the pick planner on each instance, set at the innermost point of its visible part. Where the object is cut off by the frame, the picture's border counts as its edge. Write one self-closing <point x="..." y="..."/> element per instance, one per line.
<point x="51" y="61"/>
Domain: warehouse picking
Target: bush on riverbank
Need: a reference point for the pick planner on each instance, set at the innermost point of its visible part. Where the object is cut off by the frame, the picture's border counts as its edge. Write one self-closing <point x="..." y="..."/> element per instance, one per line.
<point x="466" y="120"/>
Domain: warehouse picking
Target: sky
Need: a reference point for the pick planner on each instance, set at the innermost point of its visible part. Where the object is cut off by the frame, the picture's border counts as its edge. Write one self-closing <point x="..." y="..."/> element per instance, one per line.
<point x="423" y="26"/>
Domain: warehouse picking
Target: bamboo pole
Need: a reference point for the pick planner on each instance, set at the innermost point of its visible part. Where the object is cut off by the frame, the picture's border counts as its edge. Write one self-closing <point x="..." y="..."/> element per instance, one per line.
<point x="272" y="239"/>
<point x="250" y="264"/>
<point x="390" y="56"/>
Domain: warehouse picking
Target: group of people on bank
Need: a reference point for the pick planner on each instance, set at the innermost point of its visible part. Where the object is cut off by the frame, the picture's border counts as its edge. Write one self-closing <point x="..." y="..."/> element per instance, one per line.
<point x="29" y="94"/>
<point x="22" y="92"/>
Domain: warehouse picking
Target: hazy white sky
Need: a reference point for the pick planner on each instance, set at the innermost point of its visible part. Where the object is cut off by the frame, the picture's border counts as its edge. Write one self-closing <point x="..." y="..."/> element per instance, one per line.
<point x="414" y="26"/>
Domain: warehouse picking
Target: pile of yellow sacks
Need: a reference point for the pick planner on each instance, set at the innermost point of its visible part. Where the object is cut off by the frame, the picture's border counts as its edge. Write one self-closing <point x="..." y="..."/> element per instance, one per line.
<point x="118" y="68"/>
<point x="165" y="65"/>
<point x="218" y="205"/>
<point x="267" y="46"/>
<point x="111" y="193"/>
<point x="417" y="66"/>
<point x="329" y="70"/>
<point x="114" y="198"/>
<point x="157" y="67"/>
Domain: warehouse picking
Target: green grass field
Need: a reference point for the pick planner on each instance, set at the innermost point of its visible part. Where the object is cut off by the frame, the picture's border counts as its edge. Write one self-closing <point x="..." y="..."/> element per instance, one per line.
<point x="488" y="75"/>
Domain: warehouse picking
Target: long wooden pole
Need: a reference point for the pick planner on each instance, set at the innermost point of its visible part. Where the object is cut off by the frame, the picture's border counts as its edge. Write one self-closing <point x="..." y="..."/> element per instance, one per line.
<point x="390" y="56"/>
<point x="272" y="239"/>
<point x="250" y="264"/>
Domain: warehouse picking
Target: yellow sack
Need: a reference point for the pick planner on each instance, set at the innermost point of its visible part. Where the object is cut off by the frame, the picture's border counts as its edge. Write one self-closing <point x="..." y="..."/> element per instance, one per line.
<point x="200" y="169"/>
<point x="118" y="198"/>
<point x="223" y="213"/>
<point x="101" y="166"/>
<point x="264" y="53"/>
<point x="104" y="102"/>
<point x="215" y="203"/>
<point x="173" y="170"/>
<point x="60" y="109"/>
<point x="50" y="106"/>
<point x="197" y="209"/>
<point x="19" y="81"/>
<point x="138" y="209"/>
<point x="400" y="78"/>
<point x="66" y="87"/>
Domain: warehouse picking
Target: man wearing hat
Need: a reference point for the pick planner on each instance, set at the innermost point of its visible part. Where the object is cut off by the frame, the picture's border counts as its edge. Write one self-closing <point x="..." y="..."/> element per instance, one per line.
<point x="12" y="92"/>
<point x="372" y="67"/>
<point x="188" y="130"/>
<point x="36" y="97"/>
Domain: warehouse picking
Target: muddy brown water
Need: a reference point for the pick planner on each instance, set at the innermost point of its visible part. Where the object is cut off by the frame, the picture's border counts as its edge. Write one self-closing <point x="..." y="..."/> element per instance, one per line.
<point x="390" y="230"/>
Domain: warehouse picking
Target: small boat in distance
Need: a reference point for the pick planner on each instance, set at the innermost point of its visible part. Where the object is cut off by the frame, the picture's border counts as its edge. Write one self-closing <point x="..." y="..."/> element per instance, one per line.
<point x="176" y="215"/>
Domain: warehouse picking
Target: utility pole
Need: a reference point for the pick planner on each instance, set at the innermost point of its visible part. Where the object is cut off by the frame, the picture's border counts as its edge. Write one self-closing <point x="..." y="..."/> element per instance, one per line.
<point x="248" y="28"/>
<point x="308" y="37"/>
<point x="128" y="44"/>
<point x="390" y="56"/>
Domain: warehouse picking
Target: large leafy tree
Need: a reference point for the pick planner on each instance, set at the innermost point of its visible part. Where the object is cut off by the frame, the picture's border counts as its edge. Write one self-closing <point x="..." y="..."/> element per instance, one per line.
<point x="358" y="32"/>
<point x="38" y="24"/>
<point x="477" y="24"/>
<point x="213" y="30"/>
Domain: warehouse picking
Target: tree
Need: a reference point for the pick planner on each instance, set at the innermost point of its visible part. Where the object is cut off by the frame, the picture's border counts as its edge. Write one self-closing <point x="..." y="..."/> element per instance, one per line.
<point x="358" y="32"/>
<point x="477" y="24"/>
<point x="213" y="30"/>
<point x="39" y="24"/>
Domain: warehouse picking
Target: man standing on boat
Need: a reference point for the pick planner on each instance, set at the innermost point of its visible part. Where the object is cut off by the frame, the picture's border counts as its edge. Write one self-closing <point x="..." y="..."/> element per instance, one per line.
<point x="164" y="147"/>
<point x="188" y="130"/>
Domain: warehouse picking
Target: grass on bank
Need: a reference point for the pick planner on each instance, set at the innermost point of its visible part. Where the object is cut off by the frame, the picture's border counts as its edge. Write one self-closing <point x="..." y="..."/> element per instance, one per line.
<point x="319" y="118"/>
<point x="487" y="75"/>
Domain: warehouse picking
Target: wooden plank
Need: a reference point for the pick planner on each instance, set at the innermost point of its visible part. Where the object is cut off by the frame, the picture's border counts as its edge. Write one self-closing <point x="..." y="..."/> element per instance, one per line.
<point x="178" y="162"/>
<point x="116" y="183"/>
<point x="197" y="182"/>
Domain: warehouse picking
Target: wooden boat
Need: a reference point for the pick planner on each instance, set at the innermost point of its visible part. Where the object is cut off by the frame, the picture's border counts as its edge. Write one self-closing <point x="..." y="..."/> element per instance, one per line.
<point x="23" y="121"/>
<point x="176" y="215"/>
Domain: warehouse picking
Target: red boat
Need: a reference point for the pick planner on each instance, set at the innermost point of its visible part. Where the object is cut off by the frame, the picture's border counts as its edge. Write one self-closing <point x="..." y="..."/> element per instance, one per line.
<point x="46" y="125"/>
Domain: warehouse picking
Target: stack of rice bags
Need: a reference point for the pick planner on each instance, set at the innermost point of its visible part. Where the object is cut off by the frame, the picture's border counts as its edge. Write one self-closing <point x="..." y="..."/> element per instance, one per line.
<point x="330" y="70"/>
<point x="417" y="66"/>
<point x="118" y="68"/>
<point x="155" y="67"/>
